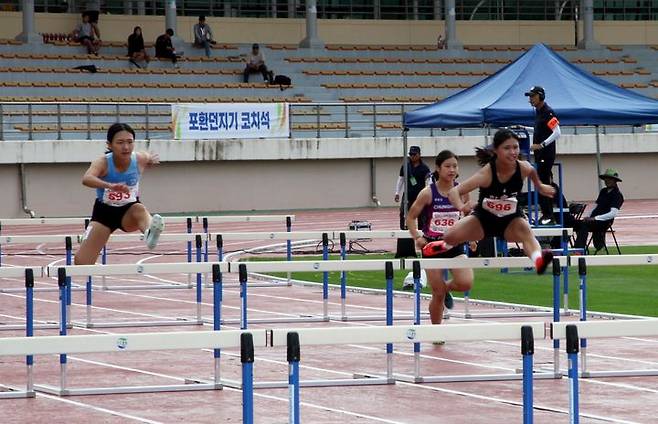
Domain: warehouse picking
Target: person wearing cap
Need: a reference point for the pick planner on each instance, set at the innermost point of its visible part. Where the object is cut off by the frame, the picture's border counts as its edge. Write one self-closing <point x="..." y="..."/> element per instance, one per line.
<point x="545" y="132"/>
<point x="255" y="62"/>
<point x="203" y="35"/>
<point x="607" y="207"/>
<point x="417" y="175"/>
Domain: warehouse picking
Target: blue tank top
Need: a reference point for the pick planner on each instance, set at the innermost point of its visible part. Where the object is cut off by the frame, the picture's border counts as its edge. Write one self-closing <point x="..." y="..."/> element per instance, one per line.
<point x="440" y="215"/>
<point x="129" y="177"/>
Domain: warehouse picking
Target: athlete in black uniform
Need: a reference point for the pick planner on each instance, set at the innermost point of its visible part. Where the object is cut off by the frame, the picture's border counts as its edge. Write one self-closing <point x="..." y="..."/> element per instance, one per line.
<point x="497" y="213"/>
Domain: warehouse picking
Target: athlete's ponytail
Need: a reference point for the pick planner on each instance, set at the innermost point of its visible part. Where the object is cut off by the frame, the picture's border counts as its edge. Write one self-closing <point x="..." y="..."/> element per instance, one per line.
<point x="486" y="155"/>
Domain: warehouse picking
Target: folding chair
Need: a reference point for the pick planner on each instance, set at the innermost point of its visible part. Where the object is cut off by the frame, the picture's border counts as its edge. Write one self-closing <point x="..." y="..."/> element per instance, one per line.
<point x="605" y="246"/>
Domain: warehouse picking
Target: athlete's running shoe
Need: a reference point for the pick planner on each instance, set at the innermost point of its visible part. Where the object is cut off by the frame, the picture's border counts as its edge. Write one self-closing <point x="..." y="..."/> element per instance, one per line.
<point x="448" y="301"/>
<point x="154" y="230"/>
<point x="435" y="248"/>
<point x="542" y="263"/>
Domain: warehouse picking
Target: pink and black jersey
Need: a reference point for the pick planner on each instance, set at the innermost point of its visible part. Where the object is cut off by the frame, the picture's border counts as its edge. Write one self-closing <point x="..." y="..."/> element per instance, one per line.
<point x="440" y="215"/>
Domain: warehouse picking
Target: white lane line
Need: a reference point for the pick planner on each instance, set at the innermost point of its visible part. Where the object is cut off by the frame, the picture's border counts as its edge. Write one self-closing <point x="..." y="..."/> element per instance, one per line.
<point x="515" y="403"/>
<point x="327" y="408"/>
<point x="98" y="409"/>
<point x="589" y="354"/>
<point x="622" y="385"/>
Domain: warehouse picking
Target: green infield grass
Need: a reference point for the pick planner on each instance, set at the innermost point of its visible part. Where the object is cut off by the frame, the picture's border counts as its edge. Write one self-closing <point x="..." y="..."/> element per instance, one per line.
<point x="623" y="289"/>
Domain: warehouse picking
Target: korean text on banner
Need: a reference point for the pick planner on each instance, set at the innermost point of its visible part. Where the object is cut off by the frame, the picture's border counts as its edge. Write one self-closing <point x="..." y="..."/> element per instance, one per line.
<point x="230" y="120"/>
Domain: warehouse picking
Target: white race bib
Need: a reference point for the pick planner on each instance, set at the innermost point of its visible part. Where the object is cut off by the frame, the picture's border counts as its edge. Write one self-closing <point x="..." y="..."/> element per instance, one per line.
<point x="117" y="198"/>
<point x="500" y="207"/>
<point x="442" y="221"/>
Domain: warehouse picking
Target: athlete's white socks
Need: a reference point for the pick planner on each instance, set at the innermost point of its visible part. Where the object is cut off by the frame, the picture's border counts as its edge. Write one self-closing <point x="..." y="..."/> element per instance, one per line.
<point x="536" y="254"/>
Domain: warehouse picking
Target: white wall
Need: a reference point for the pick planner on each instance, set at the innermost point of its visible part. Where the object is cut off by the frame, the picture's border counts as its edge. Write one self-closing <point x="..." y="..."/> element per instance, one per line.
<point x="239" y="175"/>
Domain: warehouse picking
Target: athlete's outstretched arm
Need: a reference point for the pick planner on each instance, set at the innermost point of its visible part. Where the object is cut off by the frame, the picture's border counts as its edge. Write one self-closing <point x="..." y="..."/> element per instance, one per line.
<point x="528" y="170"/>
<point x="457" y="193"/>
<point x="147" y="160"/>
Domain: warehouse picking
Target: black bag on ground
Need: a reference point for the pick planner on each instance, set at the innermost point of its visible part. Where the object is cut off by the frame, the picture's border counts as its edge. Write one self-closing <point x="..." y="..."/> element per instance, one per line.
<point x="283" y="81"/>
<point x="88" y="68"/>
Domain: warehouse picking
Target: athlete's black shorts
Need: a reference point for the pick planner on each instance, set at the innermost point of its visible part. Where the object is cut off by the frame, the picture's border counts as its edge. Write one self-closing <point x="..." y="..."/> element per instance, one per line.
<point x="110" y="216"/>
<point x="452" y="253"/>
<point x="493" y="225"/>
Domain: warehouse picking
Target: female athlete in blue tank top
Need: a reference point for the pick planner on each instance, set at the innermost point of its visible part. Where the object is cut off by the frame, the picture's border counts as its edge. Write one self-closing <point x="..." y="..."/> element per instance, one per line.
<point x="115" y="176"/>
<point x="500" y="181"/>
<point x="440" y="216"/>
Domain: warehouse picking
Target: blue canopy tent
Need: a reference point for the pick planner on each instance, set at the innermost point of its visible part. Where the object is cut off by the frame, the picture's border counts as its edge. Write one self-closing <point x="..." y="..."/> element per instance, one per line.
<point x="577" y="97"/>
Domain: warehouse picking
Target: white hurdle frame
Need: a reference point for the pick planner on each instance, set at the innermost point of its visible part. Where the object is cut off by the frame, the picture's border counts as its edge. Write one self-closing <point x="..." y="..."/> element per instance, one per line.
<point x="593" y="327"/>
<point x="308" y="266"/>
<point x="472" y="263"/>
<point x="28" y="273"/>
<point x="141" y="269"/>
<point x="128" y="343"/>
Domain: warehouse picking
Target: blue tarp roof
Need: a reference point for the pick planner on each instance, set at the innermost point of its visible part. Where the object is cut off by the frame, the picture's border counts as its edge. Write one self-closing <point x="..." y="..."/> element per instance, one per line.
<point x="577" y="97"/>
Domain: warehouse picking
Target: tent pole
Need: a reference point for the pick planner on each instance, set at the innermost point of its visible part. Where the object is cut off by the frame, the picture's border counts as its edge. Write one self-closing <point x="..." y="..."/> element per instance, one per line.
<point x="598" y="159"/>
<point x="405" y="170"/>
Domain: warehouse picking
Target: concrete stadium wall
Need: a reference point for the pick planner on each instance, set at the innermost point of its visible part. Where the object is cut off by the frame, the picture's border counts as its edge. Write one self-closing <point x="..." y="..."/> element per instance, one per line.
<point x="242" y="175"/>
<point x="339" y="31"/>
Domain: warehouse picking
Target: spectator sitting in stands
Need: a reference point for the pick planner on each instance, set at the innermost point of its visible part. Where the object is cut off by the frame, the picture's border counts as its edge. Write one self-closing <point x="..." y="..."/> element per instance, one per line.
<point x="440" y="42"/>
<point x="165" y="49"/>
<point x="88" y="34"/>
<point x="203" y="35"/>
<point x="136" y="50"/>
<point x="607" y="207"/>
<point x="255" y="62"/>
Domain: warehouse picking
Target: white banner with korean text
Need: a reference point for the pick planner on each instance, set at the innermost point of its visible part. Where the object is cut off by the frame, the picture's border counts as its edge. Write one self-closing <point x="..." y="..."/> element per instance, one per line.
<point x="230" y="120"/>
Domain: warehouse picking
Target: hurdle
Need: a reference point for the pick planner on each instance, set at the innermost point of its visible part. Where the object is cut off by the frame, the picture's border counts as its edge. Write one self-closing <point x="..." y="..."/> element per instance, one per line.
<point x="245" y="268"/>
<point x="48" y="345"/>
<point x="344" y="236"/>
<point x="137" y="269"/>
<point x="617" y="260"/>
<point x="571" y="331"/>
<point x="474" y="263"/>
<point x="28" y="273"/>
<point x="29" y="289"/>
<point x="399" y="334"/>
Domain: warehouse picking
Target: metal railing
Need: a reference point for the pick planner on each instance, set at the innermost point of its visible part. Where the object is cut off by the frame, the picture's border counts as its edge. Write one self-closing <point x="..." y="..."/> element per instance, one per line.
<point x="624" y="10"/>
<point x="89" y="121"/>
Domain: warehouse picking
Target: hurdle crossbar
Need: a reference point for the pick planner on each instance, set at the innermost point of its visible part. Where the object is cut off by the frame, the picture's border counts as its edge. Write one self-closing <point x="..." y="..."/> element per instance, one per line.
<point x="221" y="219"/>
<point x="612" y="328"/>
<point x="95" y="343"/>
<point x="173" y="219"/>
<point x="314" y="266"/>
<point x="616" y="260"/>
<point x="406" y="333"/>
<point x="137" y="269"/>
<point x="19" y="271"/>
<point x="474" y="263"/>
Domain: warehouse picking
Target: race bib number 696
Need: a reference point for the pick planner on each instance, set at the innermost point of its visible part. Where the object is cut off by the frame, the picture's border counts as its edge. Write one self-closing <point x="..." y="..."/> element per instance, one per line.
<point x="500" y="207"/>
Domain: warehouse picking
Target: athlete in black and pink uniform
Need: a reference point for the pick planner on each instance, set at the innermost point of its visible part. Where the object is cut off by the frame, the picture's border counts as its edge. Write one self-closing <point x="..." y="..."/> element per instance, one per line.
<point x="497" y="214"/>
<point x="440" y="216"/>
